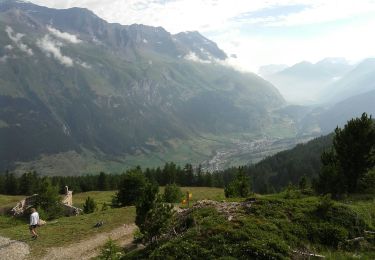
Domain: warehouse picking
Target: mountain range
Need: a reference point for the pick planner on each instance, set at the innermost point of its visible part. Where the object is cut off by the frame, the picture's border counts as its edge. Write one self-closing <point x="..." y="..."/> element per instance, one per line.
<point x="327" y="93"/>
<point x="304" y="82"/>
<point x="73" y="85"/>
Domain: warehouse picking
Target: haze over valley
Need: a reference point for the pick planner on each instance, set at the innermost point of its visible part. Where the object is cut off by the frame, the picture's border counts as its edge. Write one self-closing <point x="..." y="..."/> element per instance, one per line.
<point x="80" y="95"/>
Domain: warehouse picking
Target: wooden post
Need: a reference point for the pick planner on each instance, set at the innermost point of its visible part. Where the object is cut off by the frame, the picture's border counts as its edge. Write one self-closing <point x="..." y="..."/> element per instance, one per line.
<point x="188" y="198"/>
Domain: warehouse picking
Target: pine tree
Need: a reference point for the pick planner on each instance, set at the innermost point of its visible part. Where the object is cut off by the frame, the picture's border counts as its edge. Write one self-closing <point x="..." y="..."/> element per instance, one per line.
<point x="49" y="200"/>
<point x="350" y="158"/>
<point x="240" y="186"/>
<point x="11" y="184"/>
<point x="172" y="193"/>
<point x="28" y="183"/>
<point x="102" y="181"/>
<point x="131" y="188"/>
<point x="145" y="203"/>
<point x="89" y="206"/>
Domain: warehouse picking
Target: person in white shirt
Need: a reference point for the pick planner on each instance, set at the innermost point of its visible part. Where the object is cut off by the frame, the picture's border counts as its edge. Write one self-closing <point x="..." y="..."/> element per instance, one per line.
<point x="34" y="222"/>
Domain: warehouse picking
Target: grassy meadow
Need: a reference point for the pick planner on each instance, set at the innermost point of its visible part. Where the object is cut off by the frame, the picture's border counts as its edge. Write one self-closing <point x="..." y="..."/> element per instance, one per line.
<point x="101" y="197"/>
<point x="66" y="230"/>
<point x="270" y="219"/>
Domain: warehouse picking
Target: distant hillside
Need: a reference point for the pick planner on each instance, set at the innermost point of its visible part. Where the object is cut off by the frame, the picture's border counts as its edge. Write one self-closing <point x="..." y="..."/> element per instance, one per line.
<point x="327" y="119"/>
<point x="357" y="81"/>
<point x="289" y="166"/>
<point x="73" y="85"/>
<point x="271" y="69"/>
<point x="303" y="82"/>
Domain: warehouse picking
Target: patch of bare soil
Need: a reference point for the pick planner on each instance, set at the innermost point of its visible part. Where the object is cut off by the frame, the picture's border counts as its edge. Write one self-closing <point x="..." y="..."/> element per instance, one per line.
<point x="90" y="248"/>
<point x="12" y="249"/>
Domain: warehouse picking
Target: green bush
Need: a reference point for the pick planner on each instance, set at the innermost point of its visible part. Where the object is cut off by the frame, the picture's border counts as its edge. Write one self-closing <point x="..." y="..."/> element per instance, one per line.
<point x="111" y="251"/>
<point x="239" y="187"/>
<point x="172" y="193"/>
<point x="138" y="237"/>
<point x="48" y="201"/>
<point x="131" y="188"/>
<point x="327" y="234"/>
<point x="367" y="183"/>
<point x="270" y="228"/>
<point x="105" y="206"/>
<point x="292" y="192"/>
<point x="325" y="204"/>
<point x="145" y="203"/>
<point x="89" y="206"/>
<point x="157" y="221"/>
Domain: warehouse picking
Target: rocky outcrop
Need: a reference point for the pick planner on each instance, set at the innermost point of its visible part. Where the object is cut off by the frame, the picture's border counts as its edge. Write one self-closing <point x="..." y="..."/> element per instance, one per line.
<point x="28" y="202"/>
<point x="23" y="205"/>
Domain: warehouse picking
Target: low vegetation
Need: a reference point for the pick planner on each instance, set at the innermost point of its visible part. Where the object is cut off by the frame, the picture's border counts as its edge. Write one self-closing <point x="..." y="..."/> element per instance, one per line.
<point x="89" y="206"/>
<point x="172" y="193"/>
<point x="272" y="227"/>
<point x="239" y="187"/>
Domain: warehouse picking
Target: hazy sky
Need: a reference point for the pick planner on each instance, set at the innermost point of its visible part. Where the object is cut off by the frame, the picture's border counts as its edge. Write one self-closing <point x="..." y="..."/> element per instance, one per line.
<point x="259" y="32"/>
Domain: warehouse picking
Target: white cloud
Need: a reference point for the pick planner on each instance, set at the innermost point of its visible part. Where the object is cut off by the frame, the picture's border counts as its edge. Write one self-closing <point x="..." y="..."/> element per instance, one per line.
<point x="352" y="42"/>
<point x="63" y="35"/>
<point x="52" y="47"/>
<point x="84" y="64"/>
<point x="16" y="38"/>
<point x="4" y="58"/>
<point x="193" y="57"/>
<point x="320" y="11"/>
<point x="9" y="47"/>
<point x="205" y="15"/>
<point x="231" y="23"/>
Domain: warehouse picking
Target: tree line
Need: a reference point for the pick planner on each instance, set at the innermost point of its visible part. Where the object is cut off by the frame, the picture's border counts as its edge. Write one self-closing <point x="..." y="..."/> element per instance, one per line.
<point x="170" y="173"/>
<point x="342" y="162"/>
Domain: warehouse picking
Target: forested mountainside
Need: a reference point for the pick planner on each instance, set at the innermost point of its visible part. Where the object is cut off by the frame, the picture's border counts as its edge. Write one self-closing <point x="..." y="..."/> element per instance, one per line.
<point x="71" y="82"/>
<point x="276" y="172"/>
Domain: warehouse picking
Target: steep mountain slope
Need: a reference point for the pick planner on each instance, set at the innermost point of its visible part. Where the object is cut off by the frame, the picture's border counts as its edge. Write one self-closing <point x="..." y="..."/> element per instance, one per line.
<point x="277" y="171"/>
<point x="326" y="119"/>
<point x="71" y="82"/>
<point x="357" y="81"/>
<point x="303" y="82"/>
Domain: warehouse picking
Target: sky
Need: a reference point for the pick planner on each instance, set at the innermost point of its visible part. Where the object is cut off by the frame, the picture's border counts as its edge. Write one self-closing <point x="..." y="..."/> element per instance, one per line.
<point x="258" y="32"/>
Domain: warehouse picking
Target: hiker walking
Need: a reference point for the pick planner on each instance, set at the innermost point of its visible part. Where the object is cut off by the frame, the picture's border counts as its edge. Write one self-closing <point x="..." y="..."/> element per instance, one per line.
<point x="34" y="222"/>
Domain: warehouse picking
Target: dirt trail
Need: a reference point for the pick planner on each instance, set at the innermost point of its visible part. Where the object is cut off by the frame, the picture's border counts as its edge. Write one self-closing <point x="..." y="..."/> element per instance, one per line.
<point x="12" y="249"/>
<point x="89" y="248"/>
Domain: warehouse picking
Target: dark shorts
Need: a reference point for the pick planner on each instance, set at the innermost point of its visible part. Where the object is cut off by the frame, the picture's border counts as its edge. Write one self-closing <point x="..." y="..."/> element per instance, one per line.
<point x="32" y="227"/>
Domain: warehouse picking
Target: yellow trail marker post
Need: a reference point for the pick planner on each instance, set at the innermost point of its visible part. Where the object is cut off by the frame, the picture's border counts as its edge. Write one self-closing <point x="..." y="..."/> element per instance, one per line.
<point x="188" y="197"/>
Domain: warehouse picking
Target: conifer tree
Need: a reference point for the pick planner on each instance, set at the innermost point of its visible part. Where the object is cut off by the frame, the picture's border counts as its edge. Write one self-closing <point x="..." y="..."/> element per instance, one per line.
<point x="350" y="158"/>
